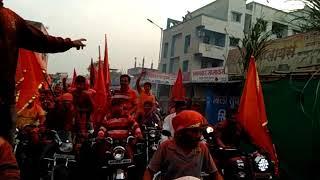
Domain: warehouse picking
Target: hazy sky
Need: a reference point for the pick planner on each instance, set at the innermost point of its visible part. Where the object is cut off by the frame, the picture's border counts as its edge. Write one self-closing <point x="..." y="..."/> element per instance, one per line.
<point x="124" y="21"/>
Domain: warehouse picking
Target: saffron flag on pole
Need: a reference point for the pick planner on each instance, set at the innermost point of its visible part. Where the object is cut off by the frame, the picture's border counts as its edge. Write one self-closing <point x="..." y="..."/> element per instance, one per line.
<point x="106" y="67"/>
<point x="73" y="85"/>
<point x="106" y="70"/>
<point x="100" y="95"/>
<point x="178" y="92"/>
<point x="29" y="78"/>
<point x="252" y="114"/>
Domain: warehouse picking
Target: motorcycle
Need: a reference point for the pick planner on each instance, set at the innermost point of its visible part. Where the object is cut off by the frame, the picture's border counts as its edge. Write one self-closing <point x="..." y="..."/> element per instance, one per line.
<point x="59" y="157"/>
<point x="26" y="149"/>
<point x="235" y="164"/>
<point x="115" y="161"/>
<point x="152" y="135"/>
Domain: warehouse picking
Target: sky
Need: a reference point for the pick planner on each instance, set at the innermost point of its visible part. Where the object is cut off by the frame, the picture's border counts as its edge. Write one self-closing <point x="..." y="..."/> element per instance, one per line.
<point x="125" y="22"/>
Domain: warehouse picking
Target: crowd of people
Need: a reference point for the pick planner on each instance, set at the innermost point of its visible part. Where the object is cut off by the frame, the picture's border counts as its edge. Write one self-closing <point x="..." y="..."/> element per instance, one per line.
<point x="71" y="109"/>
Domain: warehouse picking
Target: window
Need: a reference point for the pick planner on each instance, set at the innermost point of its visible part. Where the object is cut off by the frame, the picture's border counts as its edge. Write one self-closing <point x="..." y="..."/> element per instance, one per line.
<point x="185" y="66"/>
<point x="164" y="68"/>
<point x="204" y="64"/>
<point x="234" y="41"/>
<point x="219" y="39"/>
<point x="249" y="6"/>
<point x="174" y="65"/>
<point x="165" y="50"/>
<point x="171" y="66"/>
<point x="236" y="17"/>
<point x="280" y="30"/>
<point x="214" y="38"/>
<point x="173" y="44"/>
<point x="187" y="42"/>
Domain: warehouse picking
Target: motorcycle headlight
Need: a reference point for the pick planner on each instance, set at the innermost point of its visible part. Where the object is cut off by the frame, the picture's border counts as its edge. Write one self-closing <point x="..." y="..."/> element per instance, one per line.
<point x="66" y="147"/>
<point x="209" y="130"/>
<point x="152" y="133"/>
<point x="262" y="163"/>
<point x="240" y="163"/>
<point x="118" y="153"/>
<point x="241" y="174"/>
<point x="154" y="147"/>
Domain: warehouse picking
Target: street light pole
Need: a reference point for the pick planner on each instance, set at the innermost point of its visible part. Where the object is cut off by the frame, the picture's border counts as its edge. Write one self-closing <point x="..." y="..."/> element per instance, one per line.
<point x="160" y="50"/>
<point x="161" y="36"/>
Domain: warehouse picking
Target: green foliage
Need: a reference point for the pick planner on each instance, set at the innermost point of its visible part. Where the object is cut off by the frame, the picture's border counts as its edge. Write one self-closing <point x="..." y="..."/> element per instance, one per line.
<point x="309" y="20"/>
<point x="254" y="42"/>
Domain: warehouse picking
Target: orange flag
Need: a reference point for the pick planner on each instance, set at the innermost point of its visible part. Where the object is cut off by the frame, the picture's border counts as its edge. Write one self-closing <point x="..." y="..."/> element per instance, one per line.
<point x="252" y="113"/>
<point x="100" y="95"/>
<point x="29" y="78"/>
<point x="73" y="85"/>
<point x="106" y="67"/>
<point x="178" y="92"/>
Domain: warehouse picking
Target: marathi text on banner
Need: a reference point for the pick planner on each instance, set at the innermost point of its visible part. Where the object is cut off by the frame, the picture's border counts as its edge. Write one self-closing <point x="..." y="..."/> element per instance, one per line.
<point x="216" y="74"/>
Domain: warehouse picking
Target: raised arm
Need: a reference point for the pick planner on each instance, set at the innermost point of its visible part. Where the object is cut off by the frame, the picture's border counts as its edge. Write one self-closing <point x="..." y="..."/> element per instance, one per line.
<point x="33" y="39"/>
<point x="139" y="89"/>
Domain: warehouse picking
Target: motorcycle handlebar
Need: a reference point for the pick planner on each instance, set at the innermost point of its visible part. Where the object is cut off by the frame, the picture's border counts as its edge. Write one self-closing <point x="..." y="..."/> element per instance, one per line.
<point x="57" y="138"/>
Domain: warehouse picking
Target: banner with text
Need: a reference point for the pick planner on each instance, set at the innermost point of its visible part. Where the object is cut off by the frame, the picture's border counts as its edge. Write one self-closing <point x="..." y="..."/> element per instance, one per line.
<point x="216" y="74"/>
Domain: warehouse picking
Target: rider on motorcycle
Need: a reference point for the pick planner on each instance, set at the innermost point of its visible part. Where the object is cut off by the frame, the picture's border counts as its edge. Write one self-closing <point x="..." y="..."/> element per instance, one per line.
<point x="229" y="132"/>
<point x="119" y="125"/>
<point x="83" y="105"/>
<point x="150" y="116"/>
<point x="33" y="114"/>
<point x="61" y="118"/>
<point x="185" y="155"/>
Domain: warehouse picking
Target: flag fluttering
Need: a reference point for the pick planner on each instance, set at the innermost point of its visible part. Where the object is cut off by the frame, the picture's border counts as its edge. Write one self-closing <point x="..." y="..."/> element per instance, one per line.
<point x="73" y="85"/>
<point x="178" y="92"/>
<point x="29" y="78"/>
<point x="252" y="113"/>
<point x="106" y="67"/>
<point x="100" y="97"/>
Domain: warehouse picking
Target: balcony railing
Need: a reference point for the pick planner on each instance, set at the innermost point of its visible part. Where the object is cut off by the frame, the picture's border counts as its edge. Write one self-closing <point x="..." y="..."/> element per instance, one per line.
<point x="211" y="51"/>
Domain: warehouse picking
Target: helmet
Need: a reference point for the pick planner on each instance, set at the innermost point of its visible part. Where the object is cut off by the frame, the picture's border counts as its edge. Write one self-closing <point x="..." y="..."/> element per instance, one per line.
<point x="187" y="119"/>
<point x="66" y="97"/>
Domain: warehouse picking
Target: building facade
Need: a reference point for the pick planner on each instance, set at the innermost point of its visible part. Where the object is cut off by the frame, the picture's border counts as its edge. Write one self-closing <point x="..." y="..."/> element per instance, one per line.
<point x="205" y="36"/>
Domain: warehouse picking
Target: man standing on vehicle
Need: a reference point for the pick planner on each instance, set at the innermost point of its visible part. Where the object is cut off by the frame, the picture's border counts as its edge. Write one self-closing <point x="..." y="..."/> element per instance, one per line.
<point x="16" y="33"/>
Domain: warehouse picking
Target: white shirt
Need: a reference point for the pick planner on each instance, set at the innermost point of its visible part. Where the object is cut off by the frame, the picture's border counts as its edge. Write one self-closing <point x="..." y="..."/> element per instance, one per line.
<point x="167" y="125"/>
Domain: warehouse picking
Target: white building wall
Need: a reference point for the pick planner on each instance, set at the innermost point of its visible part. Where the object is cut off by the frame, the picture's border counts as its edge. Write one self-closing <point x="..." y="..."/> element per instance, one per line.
<point x="217" y="17"/>
<point x="273" y="15"/>
<point x="217" y="9"/>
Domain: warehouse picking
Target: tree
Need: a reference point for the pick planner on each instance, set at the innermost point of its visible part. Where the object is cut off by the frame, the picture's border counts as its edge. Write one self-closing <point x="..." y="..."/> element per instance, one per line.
<point x="254" y="43"/>
<point x="309" y="19"/>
